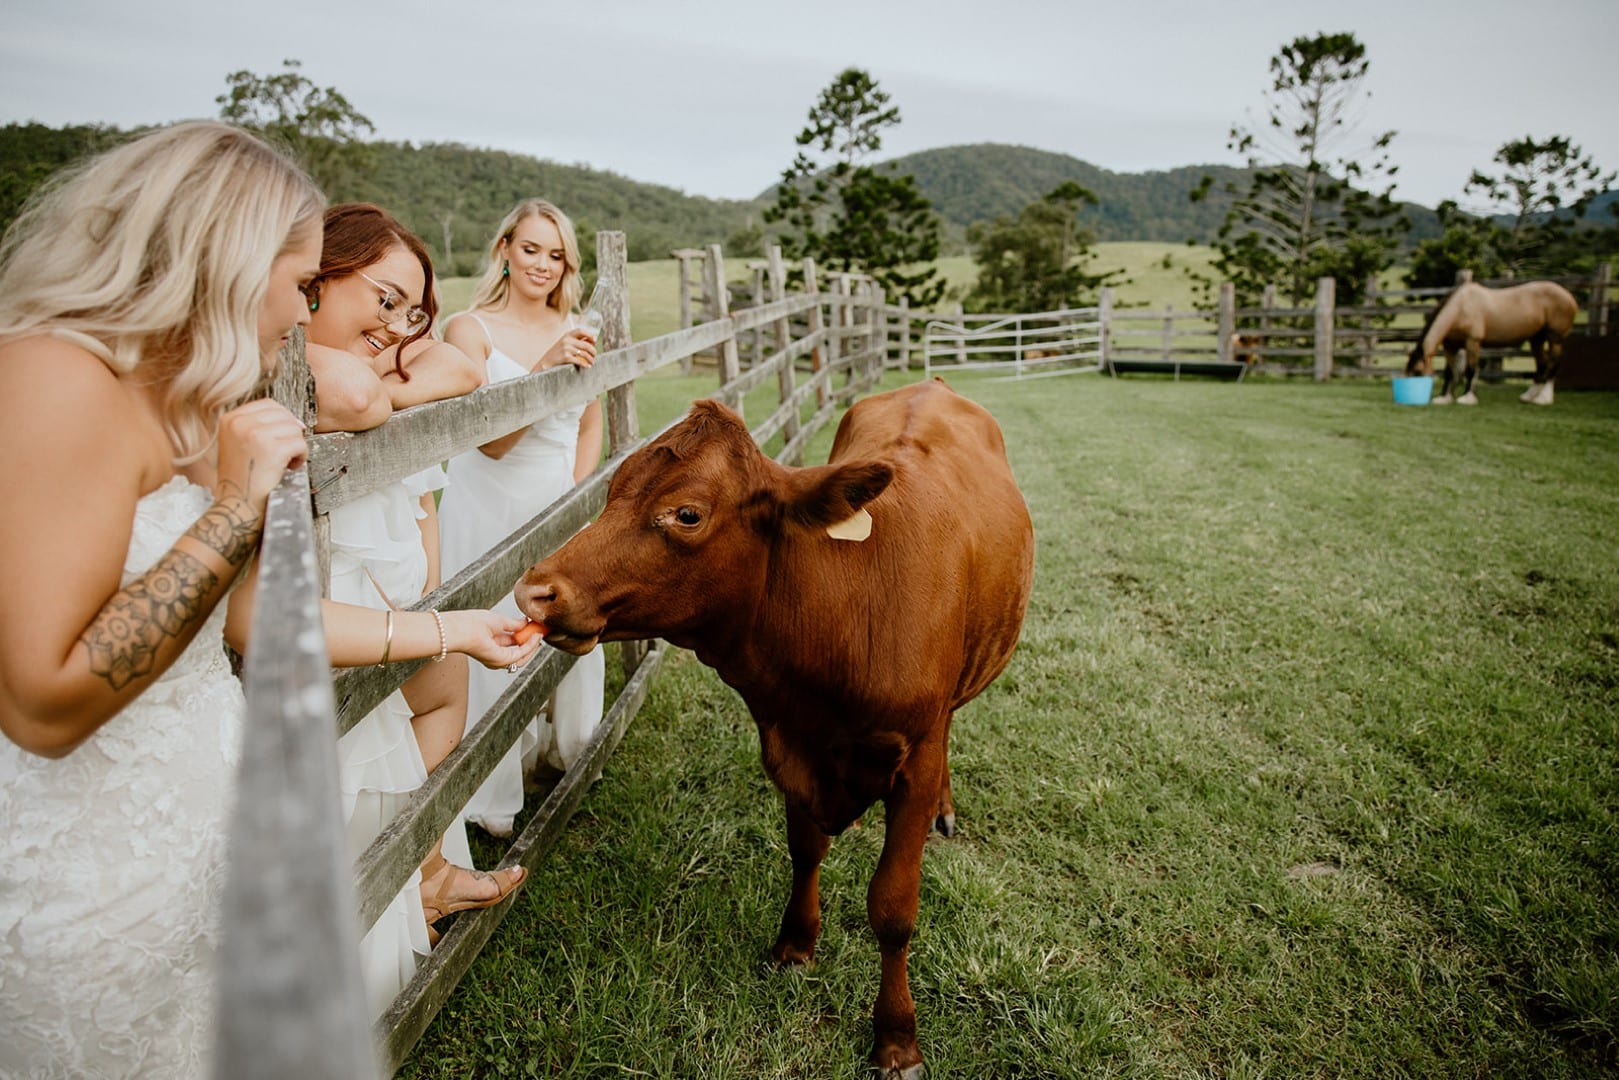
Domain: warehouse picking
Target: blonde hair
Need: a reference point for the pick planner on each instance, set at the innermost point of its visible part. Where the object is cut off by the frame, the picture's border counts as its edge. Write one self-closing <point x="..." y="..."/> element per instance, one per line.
<point x="494" y="287"/>
<point x="155" y="257"/>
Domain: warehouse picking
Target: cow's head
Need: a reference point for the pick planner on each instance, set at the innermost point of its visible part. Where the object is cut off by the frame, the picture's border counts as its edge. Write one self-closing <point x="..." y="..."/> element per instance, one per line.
<point x="686" y="538"/>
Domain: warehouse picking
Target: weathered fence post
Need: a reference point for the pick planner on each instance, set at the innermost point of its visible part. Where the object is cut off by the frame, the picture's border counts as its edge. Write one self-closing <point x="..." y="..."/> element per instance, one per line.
<point x="623" y="425"/>
<point x="756" y="340"/>
<point x="684" y="257"/>
<point x="730" y="363"/>
<point x="786" y="374"/>
<point x="1324" y="292"/>
<point x="291" y="999"/>
<point x="961" y="340"/>
<point x="1226" y="320"/>
<point x="1104" y="330"/>
<point x="819" y="355"/>
<point x="1266" y="303"/>
<point x="1169" y="333"/>
<point x="904" y="333"/>
<point x="1596" y="320"/>
<point x="1368" y="325"/>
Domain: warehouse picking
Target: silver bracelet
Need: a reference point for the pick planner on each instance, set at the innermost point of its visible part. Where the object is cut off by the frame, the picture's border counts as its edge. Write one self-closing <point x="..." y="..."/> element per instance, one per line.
<point x="443" y="642"/>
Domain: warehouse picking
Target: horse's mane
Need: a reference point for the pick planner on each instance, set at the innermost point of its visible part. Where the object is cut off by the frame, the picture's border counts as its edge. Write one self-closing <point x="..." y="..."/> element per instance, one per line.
<point x="1427" y="323"/>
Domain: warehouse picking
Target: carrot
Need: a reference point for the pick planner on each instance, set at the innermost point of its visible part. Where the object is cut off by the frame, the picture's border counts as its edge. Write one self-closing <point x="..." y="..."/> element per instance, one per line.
<point x="527" y="631"/>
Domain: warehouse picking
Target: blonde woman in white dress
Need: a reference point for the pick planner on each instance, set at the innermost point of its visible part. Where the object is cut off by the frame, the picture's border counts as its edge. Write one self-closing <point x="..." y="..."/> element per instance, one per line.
<point x="520" y="321"/>
<point x="143" y="297"/>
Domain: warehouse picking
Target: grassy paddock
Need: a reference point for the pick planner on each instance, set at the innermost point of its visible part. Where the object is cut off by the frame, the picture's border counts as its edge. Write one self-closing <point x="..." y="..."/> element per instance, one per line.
<point x="1306" y="766"/>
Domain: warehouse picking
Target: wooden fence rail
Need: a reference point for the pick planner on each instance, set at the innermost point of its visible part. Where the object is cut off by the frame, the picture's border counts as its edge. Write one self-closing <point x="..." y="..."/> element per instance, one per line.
<point x="291" y="1000"/>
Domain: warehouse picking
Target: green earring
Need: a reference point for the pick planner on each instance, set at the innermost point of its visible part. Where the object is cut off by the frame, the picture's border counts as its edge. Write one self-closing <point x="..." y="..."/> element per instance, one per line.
<point x="505" y="268"/>
<point x="314" y="304"/>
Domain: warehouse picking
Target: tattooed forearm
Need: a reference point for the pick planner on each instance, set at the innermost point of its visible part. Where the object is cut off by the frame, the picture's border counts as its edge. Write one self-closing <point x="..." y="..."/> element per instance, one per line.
<point x="161" y="605"/>
<point x="230" y="529"/>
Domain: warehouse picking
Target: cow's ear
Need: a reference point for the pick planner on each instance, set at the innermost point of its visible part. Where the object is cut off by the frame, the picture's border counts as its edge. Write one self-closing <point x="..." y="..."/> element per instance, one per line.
<point x="827" y="494"/>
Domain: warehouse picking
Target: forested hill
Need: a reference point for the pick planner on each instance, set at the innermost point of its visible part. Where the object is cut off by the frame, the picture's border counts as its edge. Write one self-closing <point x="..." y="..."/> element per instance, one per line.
<point x="442" y="188"/>
<point x="967" y="184"/>
<point x="454" y="195"/>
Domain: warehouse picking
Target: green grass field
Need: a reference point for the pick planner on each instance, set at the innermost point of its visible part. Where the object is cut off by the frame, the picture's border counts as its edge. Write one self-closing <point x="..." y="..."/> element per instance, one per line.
<point x="1307" y="766"/>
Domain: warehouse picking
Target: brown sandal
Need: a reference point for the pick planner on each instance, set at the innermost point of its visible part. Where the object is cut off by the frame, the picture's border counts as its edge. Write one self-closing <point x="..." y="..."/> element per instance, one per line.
<point x="438" y="905"/>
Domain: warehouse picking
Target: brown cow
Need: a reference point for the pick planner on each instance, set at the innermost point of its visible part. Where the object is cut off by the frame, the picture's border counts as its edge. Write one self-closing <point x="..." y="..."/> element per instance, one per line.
<point x="852" y="653"/>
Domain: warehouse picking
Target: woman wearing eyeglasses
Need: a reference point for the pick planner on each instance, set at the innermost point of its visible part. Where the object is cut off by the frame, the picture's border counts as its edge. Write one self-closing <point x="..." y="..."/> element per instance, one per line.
<point x="371" y="307"/>
<point x="521" y="321"/>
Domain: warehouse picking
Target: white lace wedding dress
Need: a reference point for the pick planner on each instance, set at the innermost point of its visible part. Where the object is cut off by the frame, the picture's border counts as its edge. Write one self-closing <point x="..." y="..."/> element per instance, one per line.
<point x="112" y="862"/>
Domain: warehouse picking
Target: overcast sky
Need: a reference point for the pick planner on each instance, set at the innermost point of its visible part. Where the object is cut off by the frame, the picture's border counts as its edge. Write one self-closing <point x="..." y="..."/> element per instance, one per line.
<point x="707" y="95"/>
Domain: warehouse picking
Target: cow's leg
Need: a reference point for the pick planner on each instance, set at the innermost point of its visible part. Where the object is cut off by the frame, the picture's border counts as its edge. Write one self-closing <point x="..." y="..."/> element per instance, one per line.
<point x="1469" y="373"/>
<point x="945" y="820"/>
<point x="801" y="922"/>
<point x="891" y="903"/>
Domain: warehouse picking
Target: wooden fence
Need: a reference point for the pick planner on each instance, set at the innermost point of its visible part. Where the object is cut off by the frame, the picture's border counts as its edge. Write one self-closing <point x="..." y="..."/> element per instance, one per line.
<point x="291" y="1002"/>
<point x="1322" y="339"/>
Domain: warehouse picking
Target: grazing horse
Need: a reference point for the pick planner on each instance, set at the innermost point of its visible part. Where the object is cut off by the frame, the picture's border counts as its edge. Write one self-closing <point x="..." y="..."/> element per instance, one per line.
<point x="1472" y="316"/>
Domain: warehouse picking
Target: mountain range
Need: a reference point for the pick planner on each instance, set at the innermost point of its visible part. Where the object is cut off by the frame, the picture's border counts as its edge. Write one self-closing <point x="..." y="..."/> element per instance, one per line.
<point x="454" y="195"/>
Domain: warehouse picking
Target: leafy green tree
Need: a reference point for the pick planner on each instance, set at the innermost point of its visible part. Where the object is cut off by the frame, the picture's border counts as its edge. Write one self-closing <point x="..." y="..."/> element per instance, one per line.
<point x="847" y="214"/>
<point x="1038" y="260"/>
<point x="1468" y="242"/>
<point x="1528" y="217"/>
<point x="1544" y="188"/>
<point x="1318" y="203"/>
<point x="316" y="124"/>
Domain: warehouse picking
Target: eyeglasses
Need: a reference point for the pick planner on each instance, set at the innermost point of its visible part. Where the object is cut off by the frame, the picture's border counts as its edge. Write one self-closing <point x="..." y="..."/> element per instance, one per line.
<point x="393" y="310"/>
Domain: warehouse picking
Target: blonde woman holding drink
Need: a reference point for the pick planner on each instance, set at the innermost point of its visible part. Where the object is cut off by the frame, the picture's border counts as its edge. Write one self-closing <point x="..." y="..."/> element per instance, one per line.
<point x="522" y="320"/>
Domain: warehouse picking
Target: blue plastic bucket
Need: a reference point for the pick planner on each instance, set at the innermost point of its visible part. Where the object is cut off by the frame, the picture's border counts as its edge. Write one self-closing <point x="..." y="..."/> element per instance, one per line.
<point x="1413" y="389"/>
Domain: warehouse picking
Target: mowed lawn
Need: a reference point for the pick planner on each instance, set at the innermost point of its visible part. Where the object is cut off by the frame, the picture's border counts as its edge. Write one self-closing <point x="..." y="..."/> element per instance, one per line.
<point x="1307" y="765"/>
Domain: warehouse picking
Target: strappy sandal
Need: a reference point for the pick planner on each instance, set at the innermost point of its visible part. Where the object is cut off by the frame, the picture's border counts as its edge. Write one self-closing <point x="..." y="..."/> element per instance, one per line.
<point x="439" y="905"/>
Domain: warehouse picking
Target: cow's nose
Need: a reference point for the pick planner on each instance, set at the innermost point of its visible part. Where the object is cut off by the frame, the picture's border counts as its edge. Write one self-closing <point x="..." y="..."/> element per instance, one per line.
<point x="534" y="593"/>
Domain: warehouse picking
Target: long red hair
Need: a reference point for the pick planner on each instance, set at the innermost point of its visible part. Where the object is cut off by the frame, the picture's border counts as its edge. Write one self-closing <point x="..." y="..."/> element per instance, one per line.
<point x="358" y="235"/>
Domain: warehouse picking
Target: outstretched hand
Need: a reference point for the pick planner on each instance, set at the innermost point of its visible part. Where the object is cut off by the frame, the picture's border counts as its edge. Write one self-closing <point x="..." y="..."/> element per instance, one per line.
<point x="490" y="638"/>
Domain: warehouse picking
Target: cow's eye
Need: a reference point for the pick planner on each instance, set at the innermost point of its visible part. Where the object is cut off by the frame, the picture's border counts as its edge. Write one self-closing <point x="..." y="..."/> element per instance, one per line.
<point x="687" y="516"/>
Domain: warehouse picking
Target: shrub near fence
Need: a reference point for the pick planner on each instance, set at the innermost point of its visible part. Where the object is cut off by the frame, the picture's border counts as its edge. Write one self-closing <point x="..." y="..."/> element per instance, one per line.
<point x="291" y="1002"/>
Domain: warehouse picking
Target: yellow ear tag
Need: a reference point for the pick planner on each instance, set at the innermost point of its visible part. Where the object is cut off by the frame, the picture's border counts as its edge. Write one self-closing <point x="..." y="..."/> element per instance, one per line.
<point x="856" y="528"/>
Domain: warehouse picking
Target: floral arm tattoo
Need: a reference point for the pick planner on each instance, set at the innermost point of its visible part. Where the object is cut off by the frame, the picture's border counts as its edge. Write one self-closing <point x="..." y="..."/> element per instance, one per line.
<point x="162" y="604"/>
<point x="169" y="600"/>
<point x="229" y="529"/>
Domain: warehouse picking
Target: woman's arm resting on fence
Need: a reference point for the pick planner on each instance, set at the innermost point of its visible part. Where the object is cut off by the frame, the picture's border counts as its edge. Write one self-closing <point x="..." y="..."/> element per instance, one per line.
<point x="437" y="371"/>
<point x="357" y="636"/>
<point x="76" y="645"/>
<point x="349" y="395"/>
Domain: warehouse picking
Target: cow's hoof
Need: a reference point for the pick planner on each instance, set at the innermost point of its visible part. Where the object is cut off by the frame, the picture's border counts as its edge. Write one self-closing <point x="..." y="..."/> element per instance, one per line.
<point x="787" y="954"/>
<point x="910" y="1072"/>
<point x="1443" y="399"/>
<point x="946" y="824"/>
<point x="1468" y="398"/>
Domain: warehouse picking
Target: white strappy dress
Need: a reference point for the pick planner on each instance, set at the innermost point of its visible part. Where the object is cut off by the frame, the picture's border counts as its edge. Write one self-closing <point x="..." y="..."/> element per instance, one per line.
<point x="487" y="500"/>
<point x="379" y="761"/>
<point x="112" y="861"/>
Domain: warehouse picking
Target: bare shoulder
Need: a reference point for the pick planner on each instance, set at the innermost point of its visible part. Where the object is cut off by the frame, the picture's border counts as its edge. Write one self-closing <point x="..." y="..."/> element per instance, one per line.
<point x="65" y="406"/>
<point x="465" y="332"/>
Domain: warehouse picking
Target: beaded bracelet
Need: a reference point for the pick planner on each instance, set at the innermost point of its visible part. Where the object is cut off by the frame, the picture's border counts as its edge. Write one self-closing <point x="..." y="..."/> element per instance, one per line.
<point x="443" y="642"/>
<point x="387" y="641"/>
